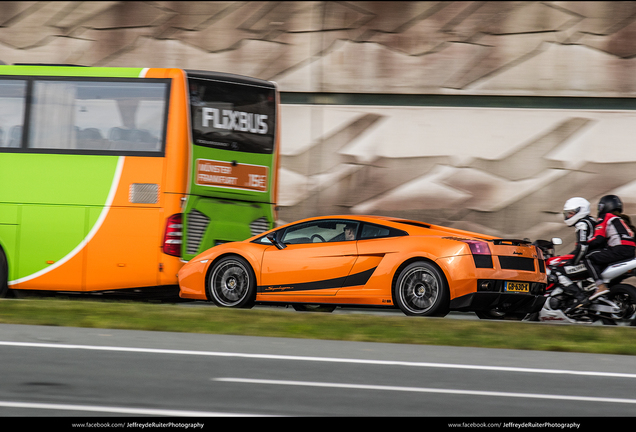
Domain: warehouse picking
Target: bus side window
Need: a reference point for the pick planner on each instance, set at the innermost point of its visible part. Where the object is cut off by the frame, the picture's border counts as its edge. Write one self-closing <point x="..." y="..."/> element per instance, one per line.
<point x="12" y="103"/>
<point x="89" y="138"/>
<point x="15" y="136"/>
<point x="98" y="115"/>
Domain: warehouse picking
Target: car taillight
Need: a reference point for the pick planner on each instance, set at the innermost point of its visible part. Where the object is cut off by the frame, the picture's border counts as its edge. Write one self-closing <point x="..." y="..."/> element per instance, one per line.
<point x="172" y="238"/>
<point x="478" y="247"/>
<point x="481" y="253"/>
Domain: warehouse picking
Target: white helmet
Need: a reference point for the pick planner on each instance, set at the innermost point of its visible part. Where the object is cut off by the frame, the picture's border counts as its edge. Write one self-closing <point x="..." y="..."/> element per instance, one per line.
<point x="575" y="209"/>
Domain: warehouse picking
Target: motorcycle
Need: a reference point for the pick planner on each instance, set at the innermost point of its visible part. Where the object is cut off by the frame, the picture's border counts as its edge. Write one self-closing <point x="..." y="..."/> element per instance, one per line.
<point x="616" y="307"/>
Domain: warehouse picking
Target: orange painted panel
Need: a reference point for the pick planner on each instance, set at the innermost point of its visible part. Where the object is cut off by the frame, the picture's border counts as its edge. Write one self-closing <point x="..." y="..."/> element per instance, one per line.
<point x="125" y="253"/>
<point x="178" y="133"/>
<point x="283" y="270"/>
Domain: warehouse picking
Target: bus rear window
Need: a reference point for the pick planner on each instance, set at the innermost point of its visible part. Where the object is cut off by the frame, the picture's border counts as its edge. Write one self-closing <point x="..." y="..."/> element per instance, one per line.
<point x="232" y="116"/>
<point x="109" y="116"/>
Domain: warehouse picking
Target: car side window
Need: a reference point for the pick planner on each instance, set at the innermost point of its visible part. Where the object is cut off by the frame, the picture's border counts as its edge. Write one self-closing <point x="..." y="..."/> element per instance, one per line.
<point x="321" y="231"/>
<point x="371" y="231"/>
<point x="262" y="240"/>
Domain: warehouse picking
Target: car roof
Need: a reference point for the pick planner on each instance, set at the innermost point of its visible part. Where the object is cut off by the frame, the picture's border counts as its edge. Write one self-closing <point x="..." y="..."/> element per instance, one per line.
<point x="412" y="227"/>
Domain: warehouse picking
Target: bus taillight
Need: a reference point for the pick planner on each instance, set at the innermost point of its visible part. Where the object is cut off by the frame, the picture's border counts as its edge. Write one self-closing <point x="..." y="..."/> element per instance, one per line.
<point x="172" y="238"/>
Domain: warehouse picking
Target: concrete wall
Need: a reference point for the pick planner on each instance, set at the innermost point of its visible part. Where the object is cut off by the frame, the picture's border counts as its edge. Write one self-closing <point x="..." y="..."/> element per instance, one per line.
<point x="502" y="170"/>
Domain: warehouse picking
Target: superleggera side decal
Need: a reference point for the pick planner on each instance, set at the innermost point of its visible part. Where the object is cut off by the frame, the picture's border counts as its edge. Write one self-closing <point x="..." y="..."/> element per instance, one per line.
<point x="356" y="279"/>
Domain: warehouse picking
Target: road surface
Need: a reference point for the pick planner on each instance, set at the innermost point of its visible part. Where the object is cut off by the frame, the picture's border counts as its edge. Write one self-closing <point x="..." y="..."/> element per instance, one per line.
<point x="56" y="371"/>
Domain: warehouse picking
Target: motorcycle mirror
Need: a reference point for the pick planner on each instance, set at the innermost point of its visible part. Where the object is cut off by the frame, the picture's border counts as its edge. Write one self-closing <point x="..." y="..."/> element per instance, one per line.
<point x="557" y="241"/>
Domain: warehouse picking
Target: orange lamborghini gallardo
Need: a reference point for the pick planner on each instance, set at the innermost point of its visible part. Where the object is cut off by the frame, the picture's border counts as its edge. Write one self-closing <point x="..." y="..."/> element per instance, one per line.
<point x="329" y="261"/>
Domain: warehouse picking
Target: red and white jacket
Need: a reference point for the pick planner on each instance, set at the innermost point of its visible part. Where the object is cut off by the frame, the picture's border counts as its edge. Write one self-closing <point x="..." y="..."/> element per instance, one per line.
<point x="612" y="231"/>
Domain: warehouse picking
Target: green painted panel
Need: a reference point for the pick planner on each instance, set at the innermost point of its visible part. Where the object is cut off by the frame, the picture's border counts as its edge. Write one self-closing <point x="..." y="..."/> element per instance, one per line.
<point x="229" y="221"/>
<point x="70" y="71"/>
<point x="56" y="179"/>
<point x="9" y="244"/>
<point x="50" y="200"/>
<point x="9" y="214"/>
<point x="49" y="233"/>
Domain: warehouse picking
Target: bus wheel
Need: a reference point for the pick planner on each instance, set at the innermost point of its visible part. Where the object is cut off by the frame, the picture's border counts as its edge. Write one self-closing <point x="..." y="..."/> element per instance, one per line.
<point x="4" y="276"/>
<point x="231" y="283"/>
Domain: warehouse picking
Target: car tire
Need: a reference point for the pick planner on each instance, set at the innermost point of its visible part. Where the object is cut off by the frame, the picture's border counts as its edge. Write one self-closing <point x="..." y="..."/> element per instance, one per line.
<point x="231" y="283"/>
<point x="421" y="290"/>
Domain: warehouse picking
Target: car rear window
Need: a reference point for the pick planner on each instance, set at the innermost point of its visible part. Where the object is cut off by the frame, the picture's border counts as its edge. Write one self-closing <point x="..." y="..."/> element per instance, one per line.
<point x="371" y="231"/>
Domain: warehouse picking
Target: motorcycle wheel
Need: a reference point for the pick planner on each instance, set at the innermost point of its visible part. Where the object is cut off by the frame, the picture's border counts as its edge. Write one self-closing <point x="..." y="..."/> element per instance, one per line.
<point x="624" y="296"/>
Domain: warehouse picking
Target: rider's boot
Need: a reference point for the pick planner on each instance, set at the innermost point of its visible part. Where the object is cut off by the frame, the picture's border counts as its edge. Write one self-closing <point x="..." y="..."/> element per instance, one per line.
<point x="572" y="289"/>
<point x="601" y="289"/>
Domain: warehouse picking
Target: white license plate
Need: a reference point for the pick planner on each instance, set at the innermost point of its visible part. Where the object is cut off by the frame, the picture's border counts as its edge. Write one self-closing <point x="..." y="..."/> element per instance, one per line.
<point x="574" y="269"/>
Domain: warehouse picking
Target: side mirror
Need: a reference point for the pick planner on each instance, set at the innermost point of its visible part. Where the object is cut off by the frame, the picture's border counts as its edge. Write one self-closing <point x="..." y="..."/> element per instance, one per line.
<point x="272" y="238"/>
<point x="557" y="241"/>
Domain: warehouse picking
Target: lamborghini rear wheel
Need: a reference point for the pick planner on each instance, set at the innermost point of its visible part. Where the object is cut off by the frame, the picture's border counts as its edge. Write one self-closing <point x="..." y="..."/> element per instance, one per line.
<point x="421" y="290"/>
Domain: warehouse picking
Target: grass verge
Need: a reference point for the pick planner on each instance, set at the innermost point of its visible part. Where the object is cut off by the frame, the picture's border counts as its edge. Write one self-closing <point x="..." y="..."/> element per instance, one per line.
<point x="354" y="327"/>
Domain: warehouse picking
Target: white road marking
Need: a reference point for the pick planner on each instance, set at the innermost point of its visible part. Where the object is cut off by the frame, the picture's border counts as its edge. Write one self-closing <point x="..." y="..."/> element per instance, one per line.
<point x="120" y="410"/>
<point x="321" y="359"/>
<point x="428" y="390"/>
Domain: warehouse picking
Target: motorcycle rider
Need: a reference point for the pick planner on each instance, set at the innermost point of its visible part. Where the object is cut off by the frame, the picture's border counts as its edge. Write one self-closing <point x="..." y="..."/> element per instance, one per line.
<point x="613" y="241"/>
<point x="576" y="213"/>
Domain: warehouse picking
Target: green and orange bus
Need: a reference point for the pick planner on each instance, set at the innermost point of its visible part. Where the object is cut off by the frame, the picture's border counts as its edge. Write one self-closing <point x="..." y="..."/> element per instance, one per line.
<point x="112" y="178"/>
